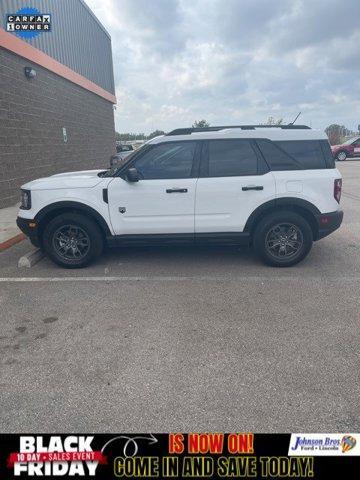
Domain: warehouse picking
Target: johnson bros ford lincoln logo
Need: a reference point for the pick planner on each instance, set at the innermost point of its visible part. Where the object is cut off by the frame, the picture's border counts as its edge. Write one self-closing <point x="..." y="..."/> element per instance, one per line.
<point x="324" y="444"/>
<point x="28" y="22"/>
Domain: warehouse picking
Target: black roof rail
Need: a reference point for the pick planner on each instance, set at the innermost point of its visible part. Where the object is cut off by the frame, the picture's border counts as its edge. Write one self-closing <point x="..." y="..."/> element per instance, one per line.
<point x="188" y="131"/>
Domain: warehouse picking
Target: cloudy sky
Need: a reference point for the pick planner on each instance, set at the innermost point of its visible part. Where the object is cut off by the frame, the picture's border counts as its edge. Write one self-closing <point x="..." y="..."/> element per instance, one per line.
<point x="233" y="61"/>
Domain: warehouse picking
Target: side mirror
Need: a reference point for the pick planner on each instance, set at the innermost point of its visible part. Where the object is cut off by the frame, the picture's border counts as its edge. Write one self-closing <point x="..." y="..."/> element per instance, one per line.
<point x="132" y="175"/>
<point x="113" y="160"/>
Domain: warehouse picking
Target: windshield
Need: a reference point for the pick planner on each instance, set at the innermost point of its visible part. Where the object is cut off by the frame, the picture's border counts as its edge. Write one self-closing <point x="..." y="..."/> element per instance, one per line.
<point x="351" y="140"/>
<point x="124" y="148"/>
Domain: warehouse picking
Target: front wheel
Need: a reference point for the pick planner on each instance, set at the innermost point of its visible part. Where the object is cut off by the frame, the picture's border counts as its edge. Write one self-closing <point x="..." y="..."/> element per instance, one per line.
<point x="341" y="156"/>
<point x="72" y="240"/>
<point x="283" y="239"/>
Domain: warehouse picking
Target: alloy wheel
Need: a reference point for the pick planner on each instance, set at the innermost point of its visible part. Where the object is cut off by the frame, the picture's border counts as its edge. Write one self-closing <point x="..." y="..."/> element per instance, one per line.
<point x="71" y="242"/>
<point x="284" y="241"/>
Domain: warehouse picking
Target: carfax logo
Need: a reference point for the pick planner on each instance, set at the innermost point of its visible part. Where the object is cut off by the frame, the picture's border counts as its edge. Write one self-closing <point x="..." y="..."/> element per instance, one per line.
<point x="324" y="444"/>
<point x="28" y="22"/>
<point x="56" y="456"/>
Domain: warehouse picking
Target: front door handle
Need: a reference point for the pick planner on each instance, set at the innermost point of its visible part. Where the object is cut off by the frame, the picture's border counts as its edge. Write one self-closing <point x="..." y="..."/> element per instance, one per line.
<point x="252" y="187"/>
<point x="176" y="190"/>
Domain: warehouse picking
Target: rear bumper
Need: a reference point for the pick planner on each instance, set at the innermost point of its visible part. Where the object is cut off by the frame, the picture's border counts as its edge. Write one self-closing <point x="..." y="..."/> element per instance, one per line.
<point x="328" y="223"/>
<point x="30" y="228"/>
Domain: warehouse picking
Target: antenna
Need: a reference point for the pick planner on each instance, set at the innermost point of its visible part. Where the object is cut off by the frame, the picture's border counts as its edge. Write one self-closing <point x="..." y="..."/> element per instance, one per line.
<point x="297" y="116"/>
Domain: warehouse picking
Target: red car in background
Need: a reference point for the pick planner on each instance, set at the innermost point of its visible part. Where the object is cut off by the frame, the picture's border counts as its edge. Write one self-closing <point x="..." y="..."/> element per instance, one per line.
<point x="350" y="148"/>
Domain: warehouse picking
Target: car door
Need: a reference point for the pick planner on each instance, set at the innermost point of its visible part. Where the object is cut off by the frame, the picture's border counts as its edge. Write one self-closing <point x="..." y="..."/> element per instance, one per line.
<point x="163" y="200"/>
<point x="356" y="148"/>
<point x="234" y="180"/>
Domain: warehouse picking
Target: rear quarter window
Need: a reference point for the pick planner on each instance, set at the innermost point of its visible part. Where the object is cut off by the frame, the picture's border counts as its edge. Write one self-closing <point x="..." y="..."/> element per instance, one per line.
<point x="275" y="157"/>
<point x="328" y="156"/>
<point x="307" y="153"/>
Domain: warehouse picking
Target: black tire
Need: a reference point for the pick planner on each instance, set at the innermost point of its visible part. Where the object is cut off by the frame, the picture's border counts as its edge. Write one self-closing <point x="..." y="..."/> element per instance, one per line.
<point x="295" y="234"/>
<point x="341" y="153"/>
<point x="89" y="238"/>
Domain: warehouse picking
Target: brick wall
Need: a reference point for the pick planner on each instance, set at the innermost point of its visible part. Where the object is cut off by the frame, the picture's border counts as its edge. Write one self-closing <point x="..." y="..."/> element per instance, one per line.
<point x="32" y="115"/>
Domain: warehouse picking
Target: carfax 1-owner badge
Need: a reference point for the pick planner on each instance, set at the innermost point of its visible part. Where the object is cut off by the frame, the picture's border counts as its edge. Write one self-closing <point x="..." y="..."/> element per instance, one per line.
<point x="55" y="456"/>
<point x="28" y="22"/>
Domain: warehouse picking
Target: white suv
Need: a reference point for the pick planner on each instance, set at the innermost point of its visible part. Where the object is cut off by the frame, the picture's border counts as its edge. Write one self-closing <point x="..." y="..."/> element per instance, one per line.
<point x="276" y="188"/>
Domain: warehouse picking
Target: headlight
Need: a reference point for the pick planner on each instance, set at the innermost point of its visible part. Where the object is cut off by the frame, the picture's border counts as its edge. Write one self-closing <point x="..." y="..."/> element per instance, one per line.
<point x="25" y="202"/>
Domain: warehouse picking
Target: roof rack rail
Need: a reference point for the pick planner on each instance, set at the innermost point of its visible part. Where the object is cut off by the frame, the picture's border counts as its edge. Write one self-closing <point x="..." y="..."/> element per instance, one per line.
<point x="188" y="131"/>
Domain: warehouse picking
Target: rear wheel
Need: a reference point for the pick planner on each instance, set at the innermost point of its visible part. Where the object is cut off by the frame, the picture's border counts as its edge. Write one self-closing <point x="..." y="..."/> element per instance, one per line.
<point x="283" y="239"/>
<point x="341" y="156"/>
<point x="72" y="240"/>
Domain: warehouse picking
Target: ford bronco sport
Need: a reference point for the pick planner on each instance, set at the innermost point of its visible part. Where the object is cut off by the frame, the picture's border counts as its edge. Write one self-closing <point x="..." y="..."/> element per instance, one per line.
<point x="275" y="188"/>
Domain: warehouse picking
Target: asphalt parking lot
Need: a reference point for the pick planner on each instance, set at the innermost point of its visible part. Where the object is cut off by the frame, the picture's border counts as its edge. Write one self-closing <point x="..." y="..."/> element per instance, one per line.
<point x="185" y="339"/>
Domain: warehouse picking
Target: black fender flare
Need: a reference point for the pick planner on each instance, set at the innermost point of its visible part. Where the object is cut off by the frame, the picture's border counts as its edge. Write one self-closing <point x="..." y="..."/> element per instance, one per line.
<point x="282" y="202"/>
<point x="70" y="205"/>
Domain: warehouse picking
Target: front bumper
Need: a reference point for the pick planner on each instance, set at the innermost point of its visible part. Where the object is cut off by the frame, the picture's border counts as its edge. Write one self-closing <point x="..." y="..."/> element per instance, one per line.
<point x="328" y="223"/>
<point x="30" y="228"/>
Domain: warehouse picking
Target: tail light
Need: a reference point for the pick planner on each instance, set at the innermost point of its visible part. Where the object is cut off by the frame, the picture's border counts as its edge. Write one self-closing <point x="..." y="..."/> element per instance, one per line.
<point x="337" y="189"/>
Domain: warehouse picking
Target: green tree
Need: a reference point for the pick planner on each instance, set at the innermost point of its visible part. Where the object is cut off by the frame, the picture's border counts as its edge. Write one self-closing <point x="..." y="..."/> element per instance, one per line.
<point x="129" y="137"/>
<point x="155" y="133"/>
<point x="273" y="121"/>
<point x="201" y="124"/>
<point x="337" y="133"/>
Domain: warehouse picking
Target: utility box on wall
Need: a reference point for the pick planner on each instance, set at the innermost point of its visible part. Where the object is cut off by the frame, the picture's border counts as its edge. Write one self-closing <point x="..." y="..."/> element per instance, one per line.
<point x="64" y="132"/>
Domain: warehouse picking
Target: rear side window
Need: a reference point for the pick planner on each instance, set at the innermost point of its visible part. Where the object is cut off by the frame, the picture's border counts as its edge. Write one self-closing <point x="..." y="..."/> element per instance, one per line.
<point x="307" y="153"/>
<point x="276" y="158"/>
<point x="231" y="158"/>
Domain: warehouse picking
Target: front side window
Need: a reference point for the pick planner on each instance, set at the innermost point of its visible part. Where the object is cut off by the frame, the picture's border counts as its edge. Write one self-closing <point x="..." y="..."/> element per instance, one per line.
<point x="167" y="160"/>
<point x="350" y="141"/>
<point x="231" y="158"/>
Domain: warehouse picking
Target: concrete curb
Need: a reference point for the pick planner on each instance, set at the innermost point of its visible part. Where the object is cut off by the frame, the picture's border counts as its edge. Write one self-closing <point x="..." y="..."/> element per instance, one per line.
<point x="12" y="241"/>
<point x="30" y="259"/>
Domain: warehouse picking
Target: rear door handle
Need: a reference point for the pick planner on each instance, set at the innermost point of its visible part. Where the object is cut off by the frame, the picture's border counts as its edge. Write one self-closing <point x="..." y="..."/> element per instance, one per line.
<point x="176" y="190"/>
<point x="252" y="187"/>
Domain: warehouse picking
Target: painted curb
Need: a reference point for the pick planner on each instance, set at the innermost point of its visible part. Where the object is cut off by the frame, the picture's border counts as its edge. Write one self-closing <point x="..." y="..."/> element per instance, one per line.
<point x="12" y="241"/>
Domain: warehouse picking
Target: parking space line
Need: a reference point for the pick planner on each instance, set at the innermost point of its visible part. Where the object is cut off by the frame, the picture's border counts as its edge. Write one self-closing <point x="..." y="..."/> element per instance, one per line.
<point x="262" y="279"/>
<point x="121" y="279"/>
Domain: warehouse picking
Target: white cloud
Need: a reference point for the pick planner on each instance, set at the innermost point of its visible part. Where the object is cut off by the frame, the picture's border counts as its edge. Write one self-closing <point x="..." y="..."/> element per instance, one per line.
<point x="231" y="61"/>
